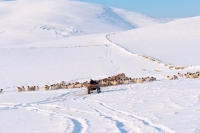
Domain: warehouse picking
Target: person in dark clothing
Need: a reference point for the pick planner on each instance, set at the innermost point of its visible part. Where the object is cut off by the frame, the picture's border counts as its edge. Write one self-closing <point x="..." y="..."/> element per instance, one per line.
<point x="94" y="83"/>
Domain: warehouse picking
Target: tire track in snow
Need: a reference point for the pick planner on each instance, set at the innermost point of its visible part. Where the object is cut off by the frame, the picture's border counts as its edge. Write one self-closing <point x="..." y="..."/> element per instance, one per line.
<point x="145" y="121"/>
<point x="113" y="63"/>
<point x="121" y="124"/>
<point x="80" y="125"/>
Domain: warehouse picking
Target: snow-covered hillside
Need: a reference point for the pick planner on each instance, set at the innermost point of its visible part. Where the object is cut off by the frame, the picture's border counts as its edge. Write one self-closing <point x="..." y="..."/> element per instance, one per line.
<point x="46" y="42"/>
<point x="27" y="21"/>
<point x="176" y="42"/>
<point x="160" y="106"/>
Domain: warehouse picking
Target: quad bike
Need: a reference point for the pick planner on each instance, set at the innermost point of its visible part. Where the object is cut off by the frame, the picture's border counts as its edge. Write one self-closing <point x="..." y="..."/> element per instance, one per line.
<point x="92" y="87"/>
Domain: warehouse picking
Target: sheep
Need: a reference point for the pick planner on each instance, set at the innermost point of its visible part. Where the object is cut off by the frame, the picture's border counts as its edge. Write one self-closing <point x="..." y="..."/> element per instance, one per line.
<point x="19" y="89"/>
<point x="114" y="82"/>
<point x="188" y="72"/>
<point x="143" y="69"/>
<point x="1" y="90"/>
<point x="37" y="88"/>
<point x="70" y="86"/>
<point x="170" y="78"/>
<point x="33" y="88"/>
<point x="175" y="77"/>
<point x="57" y="86"/>
<point x="180" y="75"/>
<point x="126" y="81"/>
<point x="23" y="89"/>
<point x="63" y="83"/>
<point x="153" y="78"/>
<point x="121" y="81"/>
<point x="45" y="88"/>
<point x="28" y="88"/>
<point x="78" y="85"/>
<point x="135" y="80"/>
<point x="66" y="87"/>
<point x="157" y="70"/>
<point x="198" y="76"/>
<point x="191" y="76"/>
<point x="52" y="87"/>
<point x="148" y="79"/>
<point x="143" y="79"/>
<point x="139" y="80"/>
<point x="85" y="84"/>
<point x="186" y="75"/>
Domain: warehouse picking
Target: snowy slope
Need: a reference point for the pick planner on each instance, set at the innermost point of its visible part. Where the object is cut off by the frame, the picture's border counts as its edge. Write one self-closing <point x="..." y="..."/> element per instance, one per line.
<point x="46" y="42"/>
<point x="176" y="42"/>
<point x="161" y="106"/>
<point x="27" y="21"/>
<point x="67" y="59"/>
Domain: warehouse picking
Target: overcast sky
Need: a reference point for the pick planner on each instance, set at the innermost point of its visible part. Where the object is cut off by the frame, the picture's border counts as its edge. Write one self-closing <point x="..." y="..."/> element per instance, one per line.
<point x="156" y="8"/>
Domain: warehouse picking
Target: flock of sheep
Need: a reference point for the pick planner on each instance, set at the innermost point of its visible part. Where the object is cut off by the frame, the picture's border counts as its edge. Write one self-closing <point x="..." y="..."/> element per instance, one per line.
<point x="112" y="80"/>
<point x="165" y="64"/>
<point x="109" y="81"/>
<point x="187" y="75"/>
<point x="122" y="79"/>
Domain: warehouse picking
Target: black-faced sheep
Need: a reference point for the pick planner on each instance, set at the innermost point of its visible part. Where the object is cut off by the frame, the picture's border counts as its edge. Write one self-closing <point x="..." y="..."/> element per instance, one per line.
<point x="45" y="88"/>
<point x="19" y="89"/>
<point x="23" y="89"/>
<point x="180" y="75"/>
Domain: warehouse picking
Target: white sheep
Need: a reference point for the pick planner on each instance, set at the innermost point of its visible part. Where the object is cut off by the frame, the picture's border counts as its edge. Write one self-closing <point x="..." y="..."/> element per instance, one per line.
<point x="45" y="88"/>
<point x="19" y="89"/>
<point x="170" y="78"/>
<point x="192" y="76"/>
<point x="28" y="88"/>
<point x="52" y="87"/>
<point x="23" y="89"/>
<point x="37" y="88"/>
<point x="180" y="75"/>
<point x="139" y="80"/>
<point x="70" y="86"/>
<point x="186" y="75"/>
<point x="198" y="76"/>
<point x="148" y="79"/>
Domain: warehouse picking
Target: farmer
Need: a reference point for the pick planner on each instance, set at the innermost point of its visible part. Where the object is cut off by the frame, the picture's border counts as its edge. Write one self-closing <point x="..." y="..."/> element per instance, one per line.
<point x="94" y="83"/>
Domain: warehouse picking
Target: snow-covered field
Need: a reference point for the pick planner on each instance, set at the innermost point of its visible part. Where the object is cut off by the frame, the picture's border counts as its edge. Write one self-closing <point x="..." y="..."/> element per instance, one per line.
<point x="46" y="42"/>
<point x="176" y="42"/>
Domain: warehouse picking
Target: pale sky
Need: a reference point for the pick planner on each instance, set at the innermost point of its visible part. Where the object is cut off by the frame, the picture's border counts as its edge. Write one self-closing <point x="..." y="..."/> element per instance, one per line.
<point x="156" y="8"/>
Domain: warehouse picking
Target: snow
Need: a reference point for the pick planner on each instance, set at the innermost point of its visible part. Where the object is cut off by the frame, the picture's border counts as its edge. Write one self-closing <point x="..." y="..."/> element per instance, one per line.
<point x="24" y="22"/>
<point x="176" y="42"/>
<point x="49" y="44"/>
